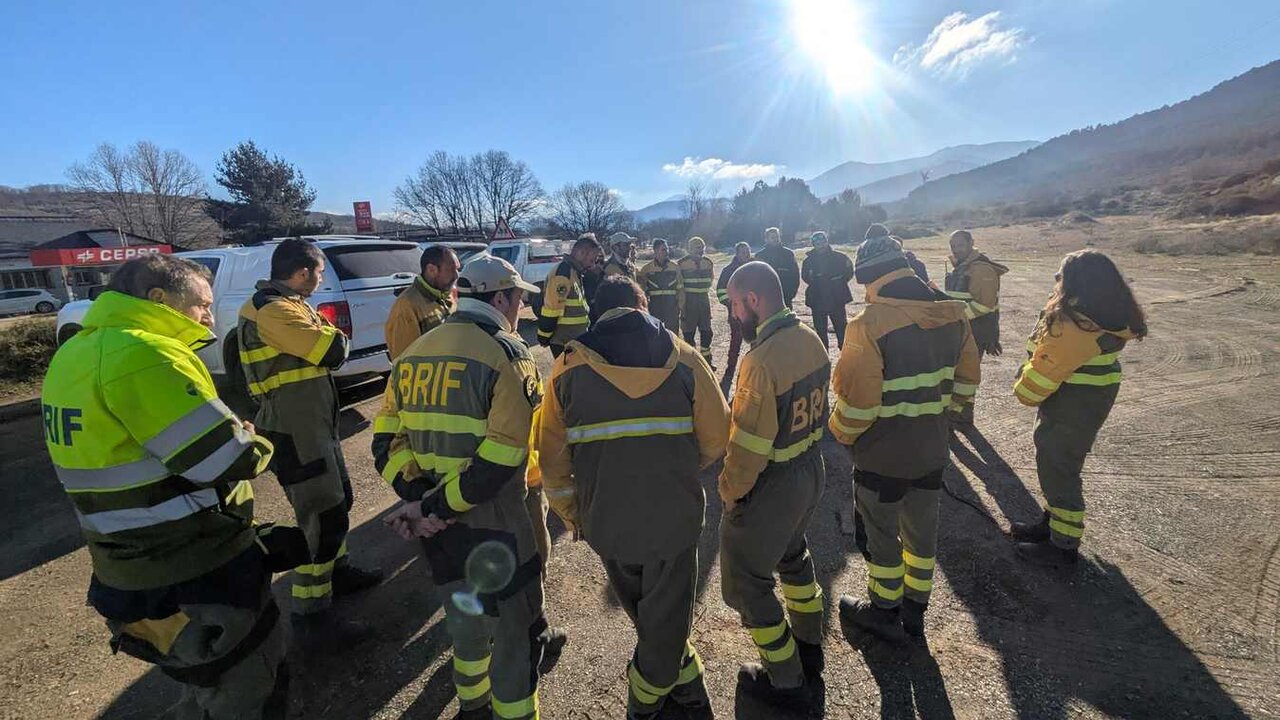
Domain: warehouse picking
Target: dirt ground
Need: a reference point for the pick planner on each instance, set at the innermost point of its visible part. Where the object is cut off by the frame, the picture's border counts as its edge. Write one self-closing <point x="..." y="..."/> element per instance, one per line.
<point x="1172" y="614"/>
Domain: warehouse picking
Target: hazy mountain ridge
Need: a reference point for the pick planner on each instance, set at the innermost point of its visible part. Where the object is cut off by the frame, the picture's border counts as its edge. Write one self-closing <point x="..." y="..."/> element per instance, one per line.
<point x="1183" y="149"/>
<point x="856" y="175"/>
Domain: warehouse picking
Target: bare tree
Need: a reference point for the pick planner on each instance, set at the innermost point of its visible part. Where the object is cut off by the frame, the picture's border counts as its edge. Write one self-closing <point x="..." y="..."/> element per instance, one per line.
<point x="108" y="175"/>
<point x="695" y="200"/>
<point x="587" y="207"/>
<point x="148" y="191"/>
<point x="175" y="187"/>
<point x="508" y="187"/>
<point x="461" y="193"/>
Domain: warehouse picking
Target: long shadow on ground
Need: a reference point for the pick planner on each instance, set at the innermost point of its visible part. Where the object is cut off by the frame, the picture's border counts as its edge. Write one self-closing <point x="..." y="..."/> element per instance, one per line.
<point x="1064" y="637"/>
<point x="363" y="679"/>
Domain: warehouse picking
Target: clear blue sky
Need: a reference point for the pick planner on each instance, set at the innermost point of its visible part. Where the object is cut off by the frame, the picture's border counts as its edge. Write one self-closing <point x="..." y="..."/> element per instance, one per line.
<point x="358" y="93"/>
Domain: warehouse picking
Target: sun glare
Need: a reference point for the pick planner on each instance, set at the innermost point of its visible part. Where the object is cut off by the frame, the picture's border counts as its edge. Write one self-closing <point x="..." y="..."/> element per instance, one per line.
<point x="830" y="32"/>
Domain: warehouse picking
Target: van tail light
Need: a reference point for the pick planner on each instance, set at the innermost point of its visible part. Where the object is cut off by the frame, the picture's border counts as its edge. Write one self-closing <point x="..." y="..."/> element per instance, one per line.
<point x="338" y="314"/>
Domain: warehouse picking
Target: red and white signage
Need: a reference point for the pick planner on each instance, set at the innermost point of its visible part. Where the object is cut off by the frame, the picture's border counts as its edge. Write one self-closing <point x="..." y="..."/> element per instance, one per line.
<point x="95" y="256"/>
<point x="364" y="216"/>
<point x="502" y="230"/>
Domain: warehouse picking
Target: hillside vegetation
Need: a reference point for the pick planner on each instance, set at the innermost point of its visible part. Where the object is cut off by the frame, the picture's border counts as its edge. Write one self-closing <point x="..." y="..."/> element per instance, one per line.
<point x="1217" y="154"/>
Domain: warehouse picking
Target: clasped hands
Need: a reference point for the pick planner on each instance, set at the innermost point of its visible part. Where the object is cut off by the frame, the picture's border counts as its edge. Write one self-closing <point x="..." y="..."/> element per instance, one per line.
<point x="408" y="521"/>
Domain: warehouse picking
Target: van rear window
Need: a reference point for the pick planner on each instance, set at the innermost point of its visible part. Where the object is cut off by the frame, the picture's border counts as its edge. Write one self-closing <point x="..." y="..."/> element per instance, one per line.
<point x="373" y="261"/>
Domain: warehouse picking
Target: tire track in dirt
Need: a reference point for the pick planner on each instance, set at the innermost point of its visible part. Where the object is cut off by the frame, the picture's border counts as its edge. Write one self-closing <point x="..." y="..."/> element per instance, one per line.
<point x="1267" y="608"/>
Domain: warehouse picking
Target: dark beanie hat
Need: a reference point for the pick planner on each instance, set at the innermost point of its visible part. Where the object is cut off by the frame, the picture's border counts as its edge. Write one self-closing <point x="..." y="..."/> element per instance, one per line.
<point x="877" y="230"/>
<point x="878" y="256"/>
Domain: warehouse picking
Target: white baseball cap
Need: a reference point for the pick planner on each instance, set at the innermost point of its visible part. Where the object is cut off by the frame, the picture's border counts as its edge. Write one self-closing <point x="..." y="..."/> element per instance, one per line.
<point x="486" y="273"/>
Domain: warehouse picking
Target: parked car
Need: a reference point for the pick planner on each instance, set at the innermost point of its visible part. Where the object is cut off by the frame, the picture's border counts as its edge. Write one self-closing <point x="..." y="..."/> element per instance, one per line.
<point x="533" y="258"/>
<point x="33" y="300"/>
<point x="361" y="280"/>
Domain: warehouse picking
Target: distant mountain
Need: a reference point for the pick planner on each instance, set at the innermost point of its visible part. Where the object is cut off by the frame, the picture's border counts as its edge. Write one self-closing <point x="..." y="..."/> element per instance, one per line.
<point x="669" y="209"/>
<point x="856" y="175"/>
<point x="1184" y="150"/>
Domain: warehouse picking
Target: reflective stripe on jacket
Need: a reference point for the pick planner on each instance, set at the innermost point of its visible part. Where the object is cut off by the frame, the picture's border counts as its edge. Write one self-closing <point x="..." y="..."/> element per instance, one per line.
<point x="564" y="314"/>
<point x="696" y="276"/>
<point x="908" y="357"/>
<point x="418" y="309"/>
<point x="1069" y="355"/>
<point x="454" y="429"/>
<point x="621" y="446"/>
<point x="155" y="465"/>
<point x="780" y="404"/>
<point x="287" y="351"/>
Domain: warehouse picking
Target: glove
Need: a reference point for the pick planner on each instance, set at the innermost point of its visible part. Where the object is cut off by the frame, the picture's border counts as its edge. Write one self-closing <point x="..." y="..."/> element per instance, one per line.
<point x="284" y="545"/>
<point x="994" y="348"/>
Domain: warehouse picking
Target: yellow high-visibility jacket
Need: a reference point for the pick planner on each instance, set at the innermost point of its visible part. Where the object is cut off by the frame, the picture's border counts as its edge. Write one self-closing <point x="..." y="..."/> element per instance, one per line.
<point x="154" y="464"/>
<point x="779" y="406"/>
<point x="1071" y="355"/>
<point x="288" y="351"/>
<point x="621" y="445"/>
<point x="908" y="357"/>
<point x="417" y="310"/>
<point x="564" y="314"/>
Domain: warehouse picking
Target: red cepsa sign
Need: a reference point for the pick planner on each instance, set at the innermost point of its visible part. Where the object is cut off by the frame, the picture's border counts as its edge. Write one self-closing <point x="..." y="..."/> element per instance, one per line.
<point x="95" y="256"/>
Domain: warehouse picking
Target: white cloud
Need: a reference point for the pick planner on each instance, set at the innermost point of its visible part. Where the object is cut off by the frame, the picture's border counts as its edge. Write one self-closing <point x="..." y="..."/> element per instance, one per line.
<point x="960" y="43"/>
<point x="718" y="169"/>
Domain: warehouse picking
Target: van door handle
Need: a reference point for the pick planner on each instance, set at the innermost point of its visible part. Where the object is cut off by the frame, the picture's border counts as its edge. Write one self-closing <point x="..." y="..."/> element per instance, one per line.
<point x="403" y="276"/>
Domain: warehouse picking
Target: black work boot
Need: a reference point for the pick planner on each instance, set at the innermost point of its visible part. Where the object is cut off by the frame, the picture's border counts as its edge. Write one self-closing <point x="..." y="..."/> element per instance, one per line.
<point x="484" y="712"/>
<point x="692" y="698"/>
<point x="552" y="640"/>
<point x="1047" y="554"/>
<point x="1036" y="532"/>
<point x="325" y="632"/>
<point x="912" y="614"/>
<point x="811" y="659"/>
<point x="754" y="680"/>
<point x="883" y="623"/>
<point x="349" y="579"/>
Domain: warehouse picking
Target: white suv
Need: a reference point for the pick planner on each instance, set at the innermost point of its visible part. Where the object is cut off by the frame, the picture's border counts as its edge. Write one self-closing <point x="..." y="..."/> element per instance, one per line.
<point x="533" y="258"/>
<point x="360" y="284"/>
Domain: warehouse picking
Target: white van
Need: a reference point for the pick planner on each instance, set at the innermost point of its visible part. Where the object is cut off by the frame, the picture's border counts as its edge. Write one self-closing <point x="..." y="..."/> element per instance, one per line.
<point x="360" y="284"/>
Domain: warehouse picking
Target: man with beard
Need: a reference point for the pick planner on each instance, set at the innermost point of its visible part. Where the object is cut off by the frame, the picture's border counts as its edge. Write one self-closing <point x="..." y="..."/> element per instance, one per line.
<point x="771" y="482"/>
<point x="426" y="303"/>
<point x="619" y="260"/>
<point x="976" y="281"/>
<point x="660" y="279"/>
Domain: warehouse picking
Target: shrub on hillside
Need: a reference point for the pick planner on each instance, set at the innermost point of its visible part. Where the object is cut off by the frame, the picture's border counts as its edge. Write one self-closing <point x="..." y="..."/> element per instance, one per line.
<point x="26" y="348"/>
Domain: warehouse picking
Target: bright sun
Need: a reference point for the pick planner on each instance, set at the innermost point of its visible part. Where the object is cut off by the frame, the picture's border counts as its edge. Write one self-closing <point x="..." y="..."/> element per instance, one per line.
<point x="830" y="32"/>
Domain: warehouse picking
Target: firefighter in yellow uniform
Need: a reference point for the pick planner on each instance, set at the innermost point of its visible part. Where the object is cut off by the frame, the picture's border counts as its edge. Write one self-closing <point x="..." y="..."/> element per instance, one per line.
<point x="908" y="358"/>
<point x="426" y="302"/>
<point x="1072" y="375"/>
<point x="451" y="440"/>
<point x="660" y="279"/>
<point x="630" y="418"/>
<point x="975" y="280"/>
<point x="565" y="313"/>
<point x="157" y="471"/>
<point x="771" y="483"/>
<point x="288" y="351"/>
<point x="697" y="273"/>
<point x="536" y="501"/>
<point x="619" y="260"/>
